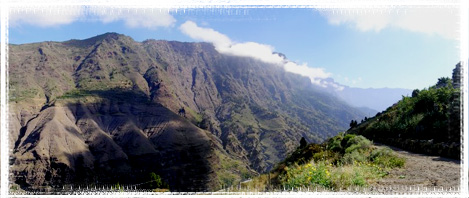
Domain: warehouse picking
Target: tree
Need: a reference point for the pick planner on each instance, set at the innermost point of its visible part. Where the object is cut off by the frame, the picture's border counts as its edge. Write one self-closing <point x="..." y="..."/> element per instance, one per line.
<point x="303" y="142"/>
<point x="415" y="93"/>
<point x="182" y="112"/>
<point x="155" y="181"/>
<point x="353" y="123"/>
<point x="443" y="82"/>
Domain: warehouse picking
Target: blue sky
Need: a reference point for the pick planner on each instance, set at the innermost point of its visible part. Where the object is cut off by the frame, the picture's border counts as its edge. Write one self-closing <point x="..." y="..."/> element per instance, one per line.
<point x="358" y="49"/>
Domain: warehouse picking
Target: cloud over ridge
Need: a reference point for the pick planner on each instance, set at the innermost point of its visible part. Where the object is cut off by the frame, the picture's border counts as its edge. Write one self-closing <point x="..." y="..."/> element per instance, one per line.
<point x="265" y="53"/>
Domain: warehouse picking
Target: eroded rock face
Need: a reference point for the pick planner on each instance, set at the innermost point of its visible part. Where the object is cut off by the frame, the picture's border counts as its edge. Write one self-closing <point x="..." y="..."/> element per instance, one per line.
<point x="86" y="143"/>
<point x="105" y="109"/>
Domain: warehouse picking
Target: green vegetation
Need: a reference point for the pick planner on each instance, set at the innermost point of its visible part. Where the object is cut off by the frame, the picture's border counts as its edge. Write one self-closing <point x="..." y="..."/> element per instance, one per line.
<point x="341" y="162"/>
<point x="118" y="187"/>
<point x="193" y="114"/>
<point x="156" y="182"/>
<point x="111" y="94"/>
<point x="231" y="172"/>
<point x="19" y="95"/>
<point x="427" y="122"/>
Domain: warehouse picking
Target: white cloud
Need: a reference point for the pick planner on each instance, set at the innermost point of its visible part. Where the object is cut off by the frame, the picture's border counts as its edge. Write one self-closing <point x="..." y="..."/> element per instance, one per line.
<point x="205" y="34"/>
<point x="56" y="16"/>
<point x="352" y="81"/>
<point x="223" y="44"/>
<point x="333" y="84"/>
<point x="315" y="74"/>
<point x="45" y="16"/>
<point x="255" y="50"/>
<point x="135" y="18"/>
<point x="363" y="22"/>
<point x="437" y="20"/>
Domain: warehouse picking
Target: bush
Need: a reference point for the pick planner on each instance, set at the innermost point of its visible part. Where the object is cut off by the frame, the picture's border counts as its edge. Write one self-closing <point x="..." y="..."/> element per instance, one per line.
<point x="332" y="157"/>
<point x="335" y="145"/>
<point x="156" y="182"/>
<point x="354" y="156"/>
<point x="359" y="143"/>
<point x="386" y="158"/>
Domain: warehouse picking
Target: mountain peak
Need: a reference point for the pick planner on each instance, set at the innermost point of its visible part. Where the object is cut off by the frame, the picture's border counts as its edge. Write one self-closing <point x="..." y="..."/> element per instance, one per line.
<point x="109" y="35"/>
<point x="93" y="40"/>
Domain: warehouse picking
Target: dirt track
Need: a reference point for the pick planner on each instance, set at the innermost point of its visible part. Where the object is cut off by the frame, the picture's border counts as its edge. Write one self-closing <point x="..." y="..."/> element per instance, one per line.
<point x="425" y="172"/>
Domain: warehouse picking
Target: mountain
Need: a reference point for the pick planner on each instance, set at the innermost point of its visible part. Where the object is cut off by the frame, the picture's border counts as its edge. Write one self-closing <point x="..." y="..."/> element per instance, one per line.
<point x="109" y="110"/>
<point x="368" y="111"/>
<point x="428" y="121"/>
<point x="369" y="100"/>
<point x="377" y="99"/>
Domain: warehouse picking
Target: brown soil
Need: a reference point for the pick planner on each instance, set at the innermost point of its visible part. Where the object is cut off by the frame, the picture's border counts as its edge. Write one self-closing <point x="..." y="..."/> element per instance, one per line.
<point x="421" y="173"/>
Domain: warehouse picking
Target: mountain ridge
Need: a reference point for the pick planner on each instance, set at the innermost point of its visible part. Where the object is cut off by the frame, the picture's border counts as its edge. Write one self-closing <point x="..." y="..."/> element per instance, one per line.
<point x="248" y="114"/>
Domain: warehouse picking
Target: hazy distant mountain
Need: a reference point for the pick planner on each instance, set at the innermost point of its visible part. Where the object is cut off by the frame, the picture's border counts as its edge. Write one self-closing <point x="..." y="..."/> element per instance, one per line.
<point x="109" y="109"/>
<point x="377" y="99"/>
<point x="368" y="111"/>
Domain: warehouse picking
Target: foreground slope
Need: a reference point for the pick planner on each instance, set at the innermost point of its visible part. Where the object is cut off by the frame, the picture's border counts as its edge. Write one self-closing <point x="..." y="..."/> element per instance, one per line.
<point x="102" y="109"/>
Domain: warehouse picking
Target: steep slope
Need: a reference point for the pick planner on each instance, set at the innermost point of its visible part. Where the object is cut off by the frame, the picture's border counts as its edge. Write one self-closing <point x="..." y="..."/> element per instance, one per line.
<point x="258" y="110"/>
<point x="428" y="122"/>
<point x="111" y="107"/>
<point x="108" y="141"/>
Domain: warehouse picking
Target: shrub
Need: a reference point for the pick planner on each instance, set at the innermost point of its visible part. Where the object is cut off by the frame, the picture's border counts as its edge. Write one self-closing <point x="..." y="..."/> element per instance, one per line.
<point x="307" y="175"/>
<point x="335" y="145"/>
<point x="386" y="158"/>
<point x="357" y="143"/>
<point x="156" y="182"/>
<point x="354" y="156"/>
<point x="346" y="139"/>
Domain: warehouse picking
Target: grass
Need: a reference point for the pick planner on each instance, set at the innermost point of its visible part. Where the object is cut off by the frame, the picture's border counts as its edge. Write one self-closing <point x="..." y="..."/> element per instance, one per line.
<point x="22" y="94"/>
<point x="230" y="171"/>
<point x="342" y="162"/>
<point x="197" y="116"/>
<point x="111" y="94"/>
<point x="332" y="176"/>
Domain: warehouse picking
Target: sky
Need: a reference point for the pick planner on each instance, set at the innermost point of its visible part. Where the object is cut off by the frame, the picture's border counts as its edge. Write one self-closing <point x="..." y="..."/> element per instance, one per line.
<point x="398" y="47"/>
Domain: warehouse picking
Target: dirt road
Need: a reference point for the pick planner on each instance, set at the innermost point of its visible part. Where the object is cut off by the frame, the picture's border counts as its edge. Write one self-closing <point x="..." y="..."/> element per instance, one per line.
<point x="424" y="172"/>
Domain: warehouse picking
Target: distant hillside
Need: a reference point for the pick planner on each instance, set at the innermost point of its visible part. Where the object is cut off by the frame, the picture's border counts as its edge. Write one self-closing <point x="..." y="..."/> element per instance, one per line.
<point x="369" y="100"/>
<point x="112" y="110"/>
<point x="368" y="111"/>
<point x="428" y="121"/>
<point x="373" y="98"/>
